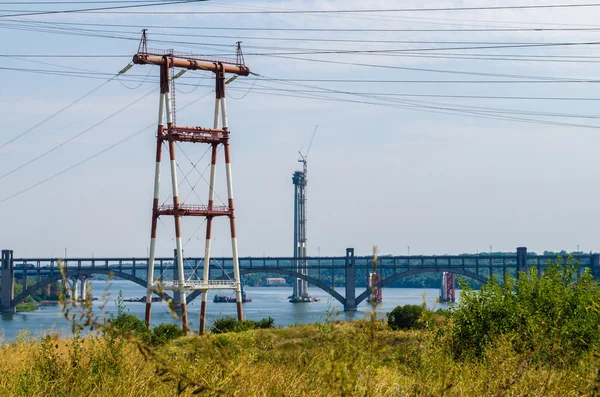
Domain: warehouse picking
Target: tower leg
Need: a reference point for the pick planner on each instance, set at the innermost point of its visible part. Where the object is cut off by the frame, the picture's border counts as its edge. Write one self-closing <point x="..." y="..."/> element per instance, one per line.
<point x="234" y="246"/>
<point x="211" y="194"/>
<point x="150" y="272"/>
<point x="177" y="218"/>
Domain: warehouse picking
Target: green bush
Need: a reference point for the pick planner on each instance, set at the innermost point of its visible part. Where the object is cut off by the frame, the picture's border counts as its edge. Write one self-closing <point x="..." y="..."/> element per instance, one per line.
<point x="165" y="332"/>
<point x="406" y="317"/>
<point x="130" y="324"/>
<point x="264" y="323"/>
<point x="125" y="323"/>
<point x="554" y="318"/>
<point x="231" y="324"/>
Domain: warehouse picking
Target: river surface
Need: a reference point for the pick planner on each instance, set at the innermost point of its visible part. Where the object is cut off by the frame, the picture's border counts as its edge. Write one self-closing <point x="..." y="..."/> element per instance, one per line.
<point x="266" y="301"/>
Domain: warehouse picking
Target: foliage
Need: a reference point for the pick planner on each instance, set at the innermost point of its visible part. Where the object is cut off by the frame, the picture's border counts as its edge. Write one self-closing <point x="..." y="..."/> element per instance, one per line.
<point x="554" y="317"/>
<point x="295" y="361"/>
<point x="27" y="306"/>
<point x="407" y="317"/>
<point x="231" y="324"/>
<point x="264" y="323"/>
<point x="165" y="332"/>
<point x="128" y="323"/>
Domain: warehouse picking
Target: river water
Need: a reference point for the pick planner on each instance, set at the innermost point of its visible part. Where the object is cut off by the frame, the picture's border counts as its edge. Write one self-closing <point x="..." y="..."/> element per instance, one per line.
<point x="266" y="301"/>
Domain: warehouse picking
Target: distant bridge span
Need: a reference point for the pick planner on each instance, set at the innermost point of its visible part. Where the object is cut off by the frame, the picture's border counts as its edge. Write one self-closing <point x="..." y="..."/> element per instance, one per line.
<point x="52" y="278"/>
<point x="322" y="271"/>
<point x="315" y="282"/>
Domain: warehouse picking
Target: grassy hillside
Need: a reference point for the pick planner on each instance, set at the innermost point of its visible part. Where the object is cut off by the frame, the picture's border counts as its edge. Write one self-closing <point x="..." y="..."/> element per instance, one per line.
<point x="342" y="359"/>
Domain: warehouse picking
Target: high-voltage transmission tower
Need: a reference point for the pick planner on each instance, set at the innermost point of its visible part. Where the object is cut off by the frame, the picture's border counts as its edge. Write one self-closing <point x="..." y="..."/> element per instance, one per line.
<point x="300" y="179"/>
<point x="215" y="136"/>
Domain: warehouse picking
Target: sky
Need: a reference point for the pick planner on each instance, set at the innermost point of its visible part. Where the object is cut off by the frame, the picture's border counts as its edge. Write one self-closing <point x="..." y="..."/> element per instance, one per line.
<point x="424" y="143"/>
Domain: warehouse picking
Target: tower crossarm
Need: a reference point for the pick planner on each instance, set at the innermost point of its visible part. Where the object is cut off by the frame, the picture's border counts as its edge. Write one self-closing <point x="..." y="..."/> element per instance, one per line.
<point x="196" y="135"/>
<point x="194" y="210"/>
<point x="174" y="61"/>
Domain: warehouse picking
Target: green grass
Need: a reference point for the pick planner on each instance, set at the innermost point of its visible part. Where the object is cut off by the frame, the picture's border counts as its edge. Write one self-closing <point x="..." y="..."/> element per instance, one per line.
<point x="342" y="359"/>
<point x="27" y="307"/>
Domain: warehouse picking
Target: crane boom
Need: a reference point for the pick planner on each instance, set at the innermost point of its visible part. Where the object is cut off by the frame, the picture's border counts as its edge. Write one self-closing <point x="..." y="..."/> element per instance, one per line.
<point x="304" y="157"/>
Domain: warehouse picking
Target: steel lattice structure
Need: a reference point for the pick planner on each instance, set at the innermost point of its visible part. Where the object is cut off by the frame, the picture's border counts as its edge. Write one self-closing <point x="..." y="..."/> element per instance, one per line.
<point x="212" y="136"/>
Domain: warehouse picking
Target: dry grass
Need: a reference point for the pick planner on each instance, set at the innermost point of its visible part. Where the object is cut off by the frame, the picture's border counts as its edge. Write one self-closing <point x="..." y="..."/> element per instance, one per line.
<point x="310" y="360"/>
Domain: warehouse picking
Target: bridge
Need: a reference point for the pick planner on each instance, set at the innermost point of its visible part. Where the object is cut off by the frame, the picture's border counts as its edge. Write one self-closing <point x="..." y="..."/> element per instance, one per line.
<point x="322" y="271"/>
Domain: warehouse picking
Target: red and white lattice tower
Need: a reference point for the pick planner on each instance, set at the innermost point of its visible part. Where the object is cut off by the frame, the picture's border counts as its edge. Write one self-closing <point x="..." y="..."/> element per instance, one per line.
<point x="214" y="136"/>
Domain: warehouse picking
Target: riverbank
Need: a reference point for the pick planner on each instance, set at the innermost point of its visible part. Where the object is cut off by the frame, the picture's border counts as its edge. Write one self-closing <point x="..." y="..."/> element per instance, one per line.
<point x="266" y="302"/>
<point x="327" y="359"/>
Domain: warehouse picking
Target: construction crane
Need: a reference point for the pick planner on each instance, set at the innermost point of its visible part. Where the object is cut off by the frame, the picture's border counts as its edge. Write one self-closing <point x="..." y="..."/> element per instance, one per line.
<point x="304" y="157"/>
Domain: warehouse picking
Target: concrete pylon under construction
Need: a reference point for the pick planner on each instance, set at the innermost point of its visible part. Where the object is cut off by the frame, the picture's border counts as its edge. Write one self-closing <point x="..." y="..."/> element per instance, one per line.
<point x="300" y="286"/>
<point x="300" y="180"/>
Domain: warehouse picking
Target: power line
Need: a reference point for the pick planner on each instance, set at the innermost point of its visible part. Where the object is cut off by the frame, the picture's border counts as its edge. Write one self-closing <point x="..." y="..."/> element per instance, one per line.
<point x="47" y="152"/>
<point x="93" y="156"/>
<point x="341" y="30"/>
<point x="53" y="115"/>
<point x="64" y="56"/>
<point x="512" y="76"/>
<point x="467" y="108"/>
<point x="359" y="11"/>
<point x="22" y="13"/>
<point x="100" y="75"/>
<point x="77" y="2"/>
<point x="382" y="51"/>
<point x="442" y="110"/>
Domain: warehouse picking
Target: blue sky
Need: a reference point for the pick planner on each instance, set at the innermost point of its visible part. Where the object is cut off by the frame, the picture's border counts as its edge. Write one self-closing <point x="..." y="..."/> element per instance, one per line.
<point x="397" y="171"/>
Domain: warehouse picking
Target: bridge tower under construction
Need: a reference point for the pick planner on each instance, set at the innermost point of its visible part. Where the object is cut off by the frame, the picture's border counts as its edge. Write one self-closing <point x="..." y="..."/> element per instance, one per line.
<point x="300" y="286"/>
<point x="300" y="180"/>
<point x="170" y="135"/>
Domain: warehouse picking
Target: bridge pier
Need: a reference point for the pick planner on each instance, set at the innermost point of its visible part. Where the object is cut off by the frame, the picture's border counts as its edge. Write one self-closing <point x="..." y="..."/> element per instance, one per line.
<point x="595" y="265"/>
<point x="350" y="304"/>
<point x="8" y="283"/>
<point x="522" y="260"/>
<point x="74" y="289"/>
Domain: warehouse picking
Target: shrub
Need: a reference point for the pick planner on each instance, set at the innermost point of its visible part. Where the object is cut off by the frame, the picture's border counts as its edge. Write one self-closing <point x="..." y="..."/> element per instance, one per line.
<point x="165" y="332"/>
<point x="231" y="324"/>
<point x="128" y="323"/>
<point x="553" y="318"/>
<point x="406" y="317"/>
<point x="264" y="323"/>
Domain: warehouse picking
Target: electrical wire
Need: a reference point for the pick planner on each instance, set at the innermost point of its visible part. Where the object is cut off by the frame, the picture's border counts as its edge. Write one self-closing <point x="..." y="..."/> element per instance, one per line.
<point x="355" y="11"/>
<point x="55" y="114"/>
<point x="319" y="29"/>
<point x="93" y="156"/>
<point x="110" y="9"/>
<point x="85" y="131"/>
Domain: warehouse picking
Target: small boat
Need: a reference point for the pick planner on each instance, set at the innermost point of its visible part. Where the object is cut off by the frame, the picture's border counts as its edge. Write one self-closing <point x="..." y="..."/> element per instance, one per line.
<point x="143" y="299"/>
<point x="220" y="298"/>
<point x="306" y="299"/>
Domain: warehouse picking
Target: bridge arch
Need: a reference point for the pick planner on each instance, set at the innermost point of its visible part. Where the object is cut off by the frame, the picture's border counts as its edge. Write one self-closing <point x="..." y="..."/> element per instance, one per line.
<point x="412" y="272"/>
<point x="72" y="273"/>
<point x="311" y="280"/>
